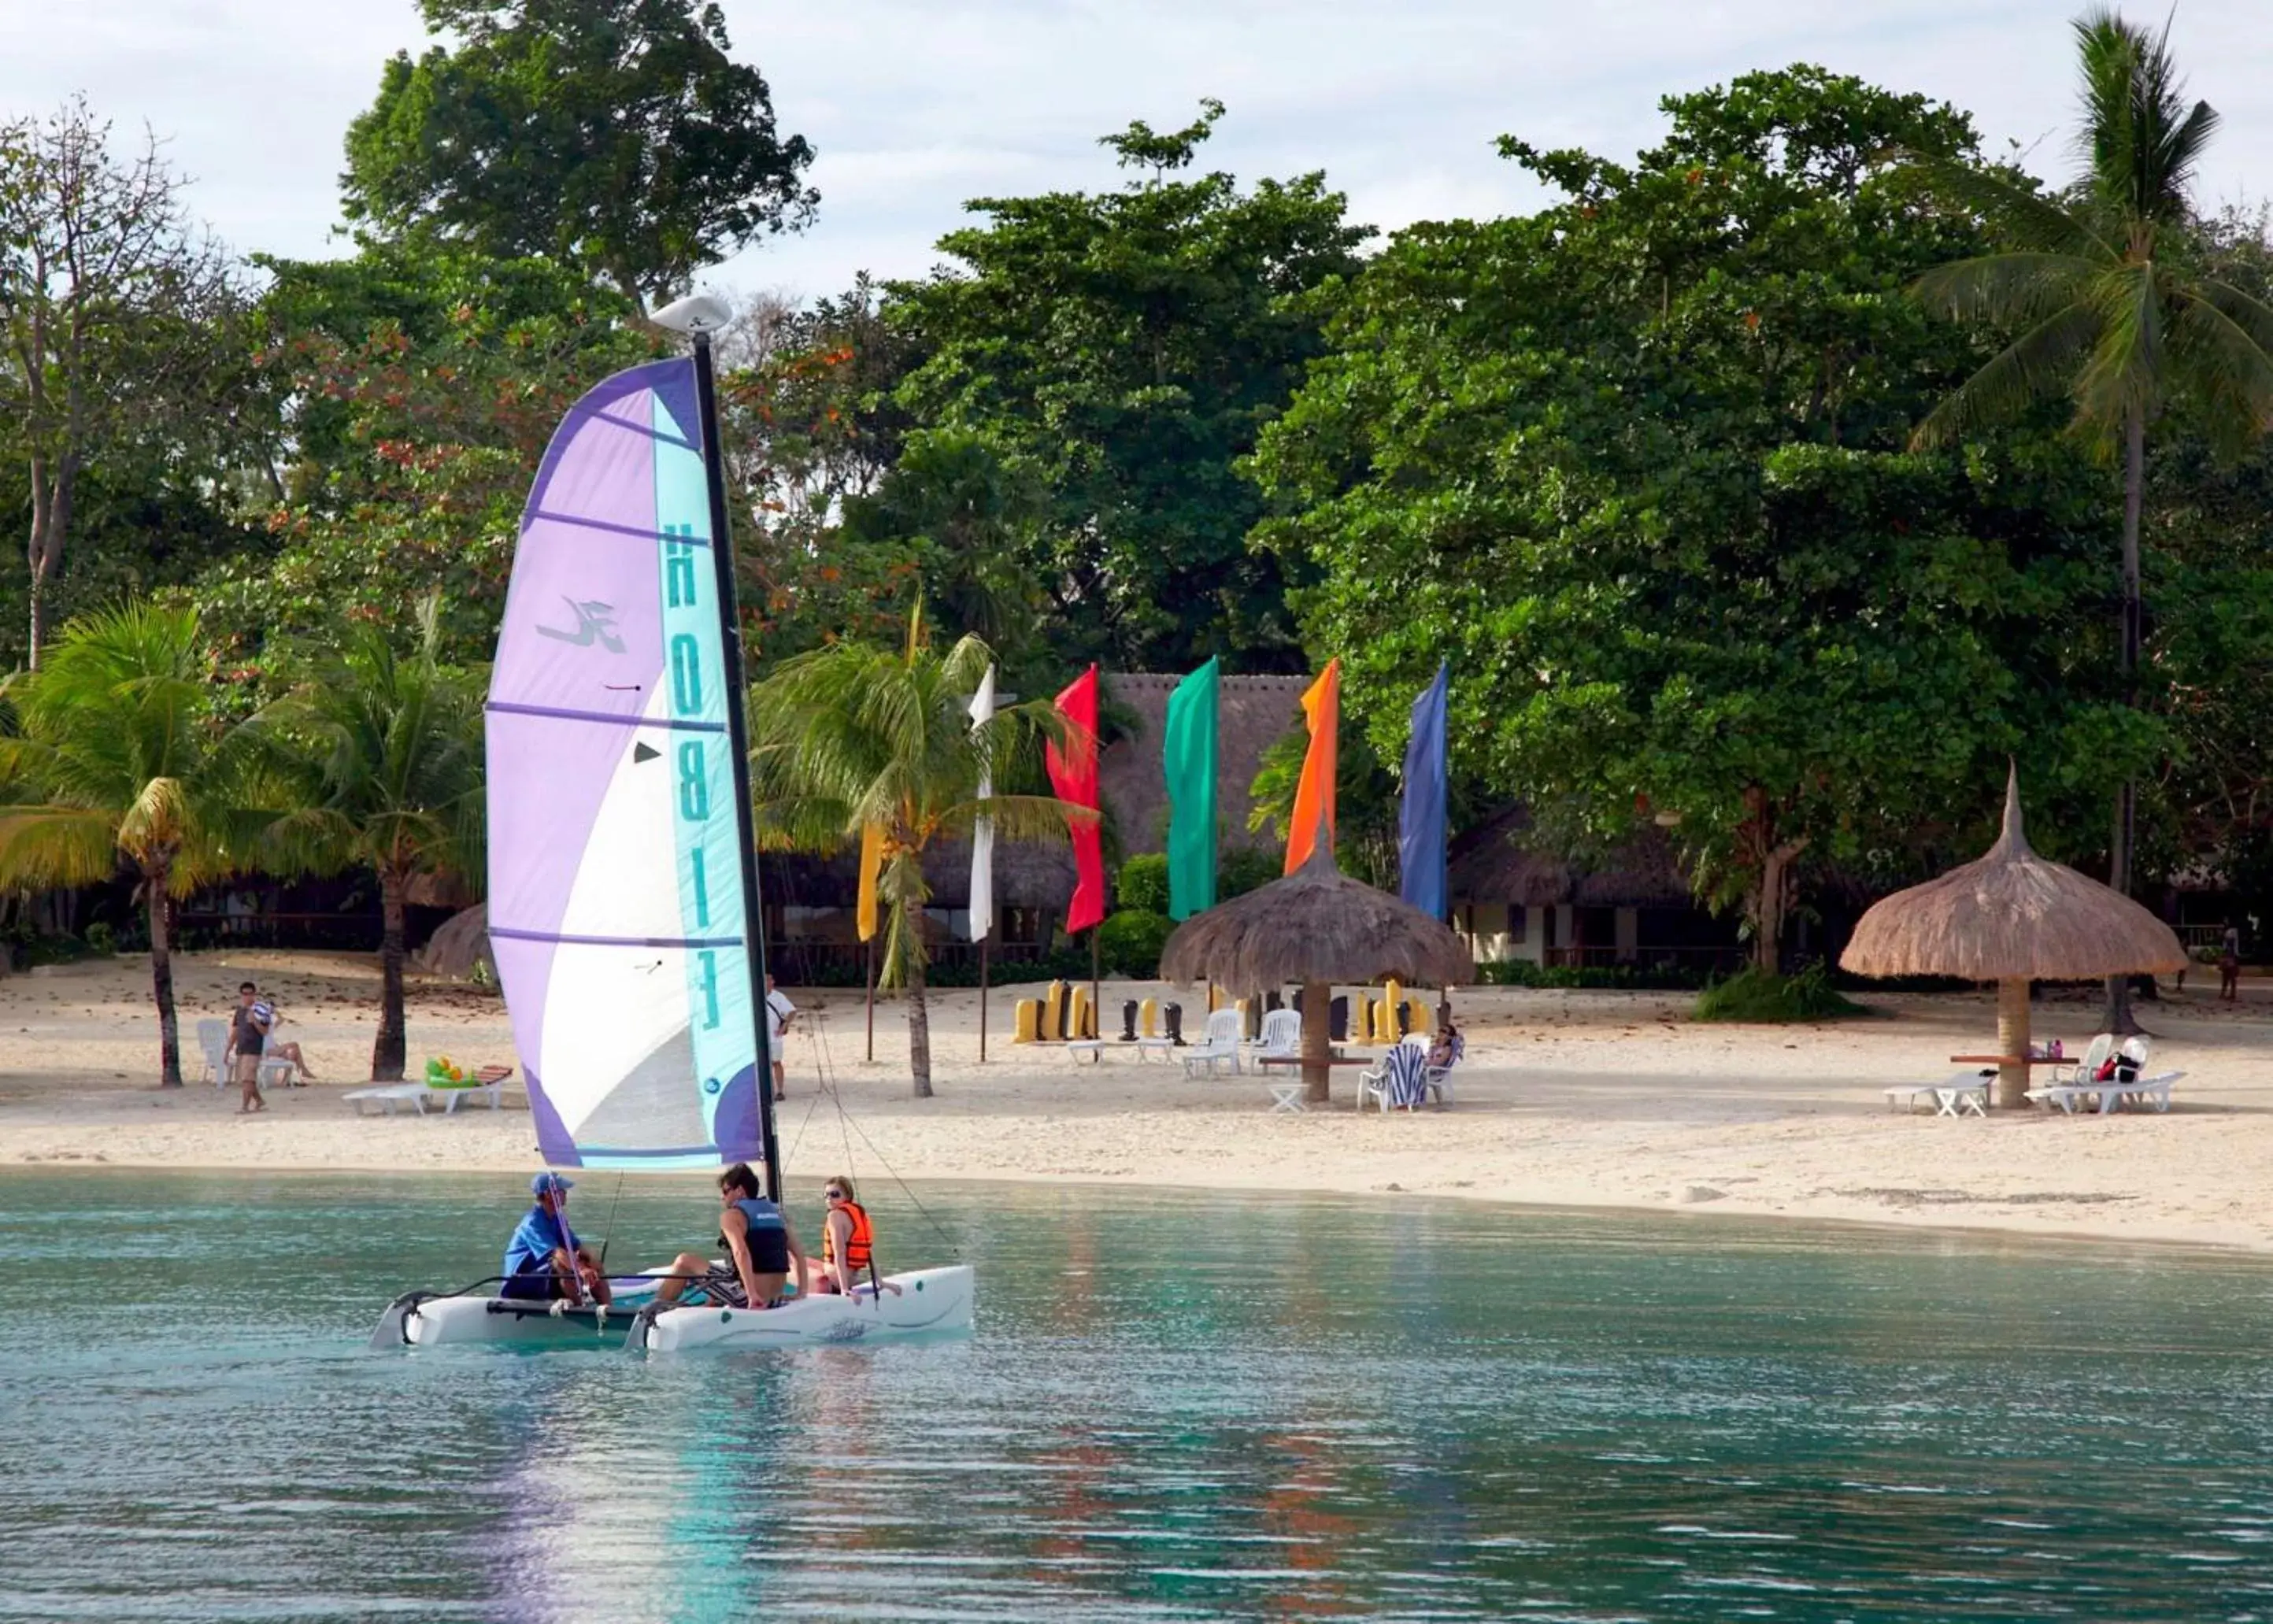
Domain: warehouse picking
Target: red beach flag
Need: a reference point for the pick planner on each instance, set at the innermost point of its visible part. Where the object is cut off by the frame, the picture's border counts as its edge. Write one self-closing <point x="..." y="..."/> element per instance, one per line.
<point x="1073" y="775"/>
<point x="1314" y="795"/>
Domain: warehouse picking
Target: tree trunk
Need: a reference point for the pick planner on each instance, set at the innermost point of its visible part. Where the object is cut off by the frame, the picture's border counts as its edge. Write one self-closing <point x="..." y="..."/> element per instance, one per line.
<point x="2012" y="1042"/>
<point x="161" y="982"/>
<point x="919" y="1023"/>
<point x="387" y="1048"/>
<point x="1318" y="1042"/>
<point x="2118" y="1012"/>
<point x="1771" y="901"/>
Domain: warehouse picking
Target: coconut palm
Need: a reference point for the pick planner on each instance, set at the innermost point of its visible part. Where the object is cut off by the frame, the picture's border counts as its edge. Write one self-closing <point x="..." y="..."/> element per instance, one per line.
<point x="850" y="735"/>
<point x="118" y="753"/>
<point x="387" y="750"/>
<point x="2110" y="312"/>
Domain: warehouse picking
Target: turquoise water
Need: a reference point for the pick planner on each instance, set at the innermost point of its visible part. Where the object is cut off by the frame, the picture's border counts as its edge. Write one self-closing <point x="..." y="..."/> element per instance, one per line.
<point x="1174" y="1407"/>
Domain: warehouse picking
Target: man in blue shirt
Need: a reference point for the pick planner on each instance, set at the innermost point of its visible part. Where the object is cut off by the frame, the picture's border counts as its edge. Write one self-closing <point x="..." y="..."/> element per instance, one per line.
<point x="544" y="1259"/>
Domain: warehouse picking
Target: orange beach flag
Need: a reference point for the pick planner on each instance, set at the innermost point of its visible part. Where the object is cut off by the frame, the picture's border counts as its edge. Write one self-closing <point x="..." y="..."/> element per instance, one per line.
<point x="1314" y="796"/>
<point x="872" y="865"/>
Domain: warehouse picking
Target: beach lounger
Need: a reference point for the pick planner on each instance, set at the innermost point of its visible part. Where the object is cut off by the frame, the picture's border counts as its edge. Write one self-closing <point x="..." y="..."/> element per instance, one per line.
<point x="2078" y="1070"/>
<point x="388" y="1095"/>
<point x="488" y="1082"/>
<point x="1961" y="1094"/>
<point x="2067" y="1098"/>
<point x="1220" y="1046"/>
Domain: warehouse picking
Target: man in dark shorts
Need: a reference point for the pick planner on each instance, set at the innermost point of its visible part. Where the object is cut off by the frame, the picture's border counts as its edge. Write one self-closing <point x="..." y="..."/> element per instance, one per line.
<point x="762" y="1251"/>
<point x="544" y="1259"/>
<point x="248" y="1033"/>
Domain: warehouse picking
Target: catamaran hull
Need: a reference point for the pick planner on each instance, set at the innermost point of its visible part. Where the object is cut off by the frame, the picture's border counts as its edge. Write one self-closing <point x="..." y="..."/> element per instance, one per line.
<point x="929" y="1300"/>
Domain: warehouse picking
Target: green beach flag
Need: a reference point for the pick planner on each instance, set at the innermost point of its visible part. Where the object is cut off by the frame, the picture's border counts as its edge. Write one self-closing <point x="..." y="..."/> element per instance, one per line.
<point x="1188" y="753"/>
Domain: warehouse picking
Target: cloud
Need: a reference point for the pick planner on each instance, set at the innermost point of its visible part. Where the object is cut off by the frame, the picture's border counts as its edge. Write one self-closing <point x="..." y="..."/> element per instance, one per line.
<point x="916" y="107"/>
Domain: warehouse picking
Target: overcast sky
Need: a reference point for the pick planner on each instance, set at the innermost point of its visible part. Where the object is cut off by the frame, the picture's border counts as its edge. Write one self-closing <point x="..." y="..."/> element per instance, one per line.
<point x="916" y="105"/>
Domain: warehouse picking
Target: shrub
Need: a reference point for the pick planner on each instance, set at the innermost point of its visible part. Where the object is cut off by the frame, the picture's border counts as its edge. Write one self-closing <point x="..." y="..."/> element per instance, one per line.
<point x="1758" y="995"/>
<point x="101" y="939"/>
<point x="1129" y="942"/>
<point x="1142" y="884"/>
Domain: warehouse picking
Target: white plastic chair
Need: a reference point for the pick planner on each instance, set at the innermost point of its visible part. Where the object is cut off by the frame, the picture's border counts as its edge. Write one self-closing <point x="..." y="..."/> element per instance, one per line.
<point x="1400" y="1079"/>
<point x="1221" y="1045"/>
<point x="212" y="1044"/>
<point x="1282" y="1035"/>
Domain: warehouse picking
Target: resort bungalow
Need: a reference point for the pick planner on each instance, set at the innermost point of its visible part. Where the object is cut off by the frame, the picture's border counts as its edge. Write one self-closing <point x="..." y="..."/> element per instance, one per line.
<point x="1513" y="900"/>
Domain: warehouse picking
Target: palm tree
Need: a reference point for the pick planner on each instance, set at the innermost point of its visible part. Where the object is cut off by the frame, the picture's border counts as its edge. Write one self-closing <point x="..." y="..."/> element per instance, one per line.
<point x="851" y="735"/>
<point x="2110" y="312"/>
<point x="388" y="752"/>
<point x="118" y="751"/>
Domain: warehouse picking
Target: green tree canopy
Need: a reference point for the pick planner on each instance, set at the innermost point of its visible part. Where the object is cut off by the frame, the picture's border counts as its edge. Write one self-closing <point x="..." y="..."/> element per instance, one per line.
<point x="617" y="135"/>
<point x="1637" y="465"/>
<point x="1125" y="349"/>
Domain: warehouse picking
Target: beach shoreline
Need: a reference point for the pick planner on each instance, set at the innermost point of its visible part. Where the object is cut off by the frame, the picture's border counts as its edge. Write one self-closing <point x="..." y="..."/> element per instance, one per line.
<point x="1580" y="1101"/>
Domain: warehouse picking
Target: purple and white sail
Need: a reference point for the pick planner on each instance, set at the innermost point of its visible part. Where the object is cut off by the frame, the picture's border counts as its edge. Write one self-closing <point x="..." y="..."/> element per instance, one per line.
<point x="616" y="882"/>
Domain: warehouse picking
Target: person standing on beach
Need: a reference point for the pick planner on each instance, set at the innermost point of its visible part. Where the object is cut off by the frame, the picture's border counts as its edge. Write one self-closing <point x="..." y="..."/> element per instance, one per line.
<point x="248" y="1031"/>
<point x="779" y="1012"/>
<point x="2229" y="965"/>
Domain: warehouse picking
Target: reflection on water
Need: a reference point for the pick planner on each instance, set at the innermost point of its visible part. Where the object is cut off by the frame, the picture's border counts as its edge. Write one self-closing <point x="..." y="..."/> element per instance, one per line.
<point x="1174" y="1407"/>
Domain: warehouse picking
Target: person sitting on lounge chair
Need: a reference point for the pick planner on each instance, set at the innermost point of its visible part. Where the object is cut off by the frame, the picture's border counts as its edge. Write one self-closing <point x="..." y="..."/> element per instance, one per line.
<point x="762" y="1251"/>
<point x="544" y="1259"/>
<point x="1445" y="1053"/>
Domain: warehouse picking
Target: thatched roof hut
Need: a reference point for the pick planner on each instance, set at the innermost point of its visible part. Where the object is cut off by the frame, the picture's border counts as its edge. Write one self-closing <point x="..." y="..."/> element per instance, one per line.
<point x="1317" y="926"/>
<point x="2011" y="917"/>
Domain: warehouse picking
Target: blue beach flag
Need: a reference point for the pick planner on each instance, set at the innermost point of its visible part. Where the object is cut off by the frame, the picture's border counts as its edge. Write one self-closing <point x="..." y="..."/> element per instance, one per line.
<point x="1421" y="824"/>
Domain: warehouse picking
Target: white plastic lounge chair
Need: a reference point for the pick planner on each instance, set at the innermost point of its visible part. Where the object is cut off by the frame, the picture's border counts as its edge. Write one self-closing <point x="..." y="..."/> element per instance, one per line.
<point x="386" y="1096"/>
<point x="1960" y="1094"/>
<point x="2069" y="1097"/>
<point x="1282" y="1035"/>
<point x="489" y="1083"/>
<point x="2077" y="1070"/>
<point x="212" y="1044"/>
<point x="1219" y="1046"/>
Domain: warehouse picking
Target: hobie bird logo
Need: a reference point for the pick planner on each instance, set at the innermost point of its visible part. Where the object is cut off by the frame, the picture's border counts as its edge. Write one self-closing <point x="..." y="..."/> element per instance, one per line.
<point x="596" y="623"/>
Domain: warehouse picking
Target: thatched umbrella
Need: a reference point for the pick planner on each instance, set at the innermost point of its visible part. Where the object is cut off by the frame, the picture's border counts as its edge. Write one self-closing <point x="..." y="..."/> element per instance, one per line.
<point x="1317" y="927"/>
<point x="2011" y="918"/>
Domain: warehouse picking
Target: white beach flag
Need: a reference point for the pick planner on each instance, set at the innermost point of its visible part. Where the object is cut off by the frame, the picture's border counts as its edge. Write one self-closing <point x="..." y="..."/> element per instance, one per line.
<point x="982" y="836"/>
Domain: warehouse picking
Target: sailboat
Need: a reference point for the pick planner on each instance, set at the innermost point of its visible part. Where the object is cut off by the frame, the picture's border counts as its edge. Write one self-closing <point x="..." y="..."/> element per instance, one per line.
<point x="623" y="881"/>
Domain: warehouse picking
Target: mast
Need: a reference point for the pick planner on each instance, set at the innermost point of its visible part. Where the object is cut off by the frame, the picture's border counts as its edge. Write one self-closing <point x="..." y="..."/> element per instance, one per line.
<point x="700" y="324"/>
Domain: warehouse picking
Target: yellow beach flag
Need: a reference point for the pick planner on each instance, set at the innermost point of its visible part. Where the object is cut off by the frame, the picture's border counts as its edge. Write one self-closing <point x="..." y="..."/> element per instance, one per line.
<point x="1314" y="795"/>
<point x="872" y="865"/>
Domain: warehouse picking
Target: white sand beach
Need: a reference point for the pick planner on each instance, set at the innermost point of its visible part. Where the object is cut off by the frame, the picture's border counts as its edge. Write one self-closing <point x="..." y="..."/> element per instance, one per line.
<point x="1580" y="1099"/>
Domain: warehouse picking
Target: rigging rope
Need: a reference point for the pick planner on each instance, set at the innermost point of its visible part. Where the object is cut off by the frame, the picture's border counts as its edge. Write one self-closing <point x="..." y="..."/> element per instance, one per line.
<point x="847" y="1127"/>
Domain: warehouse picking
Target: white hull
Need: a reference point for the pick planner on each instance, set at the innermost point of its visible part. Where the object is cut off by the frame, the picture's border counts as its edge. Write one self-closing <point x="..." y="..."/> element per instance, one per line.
<point x="929" y="1300"/>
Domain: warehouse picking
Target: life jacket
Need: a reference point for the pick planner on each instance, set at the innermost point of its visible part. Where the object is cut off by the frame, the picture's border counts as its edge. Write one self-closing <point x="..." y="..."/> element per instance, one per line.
<point x="767" y="1235"/>
<point x="860" y="1248"/>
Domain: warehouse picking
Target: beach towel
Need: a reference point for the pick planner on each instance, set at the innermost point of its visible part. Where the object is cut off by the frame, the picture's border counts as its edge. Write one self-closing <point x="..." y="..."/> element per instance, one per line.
<point x="1407" y="1075"/>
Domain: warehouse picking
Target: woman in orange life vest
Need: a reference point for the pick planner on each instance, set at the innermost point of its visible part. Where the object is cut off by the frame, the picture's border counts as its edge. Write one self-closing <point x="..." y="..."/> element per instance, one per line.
<point x="848" y="1242"/>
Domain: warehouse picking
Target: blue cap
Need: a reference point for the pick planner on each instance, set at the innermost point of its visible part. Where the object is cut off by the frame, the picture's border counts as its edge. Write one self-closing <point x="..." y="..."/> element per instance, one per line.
<point x="553" y="1182"/>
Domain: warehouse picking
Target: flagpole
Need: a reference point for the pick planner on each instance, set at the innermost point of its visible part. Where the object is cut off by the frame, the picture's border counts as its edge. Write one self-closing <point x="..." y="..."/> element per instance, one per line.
<point x="1095" y="1012"/>
<point x="872" y="1000"/>
<point x="982" y="995"/>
